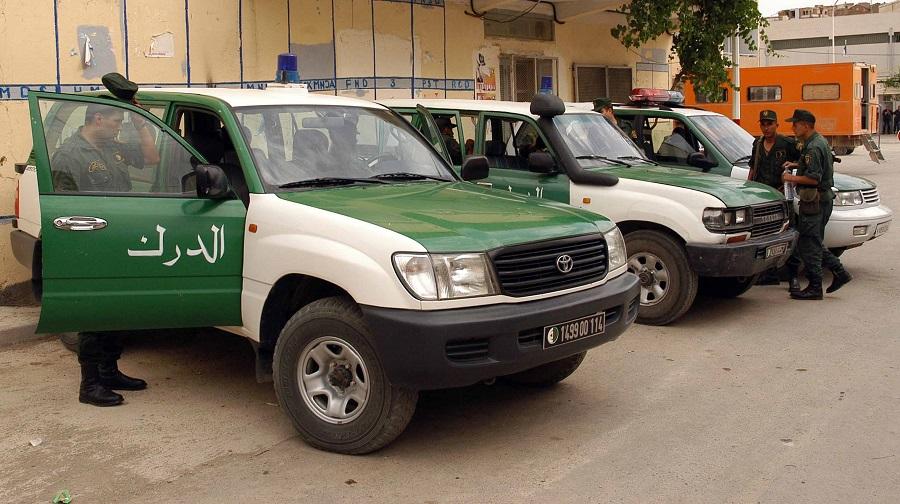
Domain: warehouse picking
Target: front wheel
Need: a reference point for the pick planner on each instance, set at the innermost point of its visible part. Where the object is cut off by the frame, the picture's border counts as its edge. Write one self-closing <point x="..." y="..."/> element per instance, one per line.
<point x="727" y="287"/>
<point x="331" y="384"/>
<point x="668" y="284"/>
<point x="547" y="375"/>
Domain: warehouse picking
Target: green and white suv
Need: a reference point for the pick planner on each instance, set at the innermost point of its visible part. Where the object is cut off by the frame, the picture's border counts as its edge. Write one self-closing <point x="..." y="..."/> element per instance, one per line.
<point x="329" y="233"/>
<point x="683" y="230"/>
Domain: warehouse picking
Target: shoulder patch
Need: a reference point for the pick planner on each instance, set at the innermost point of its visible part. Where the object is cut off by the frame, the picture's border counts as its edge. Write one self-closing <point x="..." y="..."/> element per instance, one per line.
<point x="96" y="166"/>
<point x="807" y="158"/>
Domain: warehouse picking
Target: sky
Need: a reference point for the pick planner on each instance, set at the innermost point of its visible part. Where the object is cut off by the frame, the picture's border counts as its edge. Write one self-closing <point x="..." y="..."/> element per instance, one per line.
<point x="771" y="7"/>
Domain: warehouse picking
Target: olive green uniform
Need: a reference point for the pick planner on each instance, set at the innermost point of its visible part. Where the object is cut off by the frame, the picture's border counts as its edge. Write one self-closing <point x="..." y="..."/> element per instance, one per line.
<point x="816" y="163"/>
<point x="79" y="166"/>
<point x="768" y="166"/>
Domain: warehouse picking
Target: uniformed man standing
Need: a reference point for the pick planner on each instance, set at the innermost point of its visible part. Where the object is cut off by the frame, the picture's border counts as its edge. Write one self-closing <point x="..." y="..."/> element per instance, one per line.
<point x="770" y="152"/>
<point x="94" y="160"/>
<point x="814" y="178"/>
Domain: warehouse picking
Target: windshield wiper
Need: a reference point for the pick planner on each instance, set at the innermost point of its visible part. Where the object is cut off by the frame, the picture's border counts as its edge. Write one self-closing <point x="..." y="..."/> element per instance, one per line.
<point x="328" y="181"/>
<point x="408" y="176"/>
<point x="640" y="158"/>
<point x="742" y="159"/>
<point x="604" y="158"/>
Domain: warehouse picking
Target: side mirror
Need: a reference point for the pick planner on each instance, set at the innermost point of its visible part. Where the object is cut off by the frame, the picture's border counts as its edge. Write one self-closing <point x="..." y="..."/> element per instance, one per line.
<point x="475" y="168"/>
<point x="211" y="182"/>
<point x="541" y="162"/>
<point x="699" y="160"/>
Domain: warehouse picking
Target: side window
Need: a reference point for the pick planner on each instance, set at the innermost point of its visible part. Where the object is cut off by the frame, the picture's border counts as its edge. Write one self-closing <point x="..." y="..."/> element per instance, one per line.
<point x="468" y="126"/>
<point x="673" y="141"/>
<point x="102" y="148"/>
<point x="206" y="132"/>
<point x="508" y="142"/>
<point x="450" y="134"/>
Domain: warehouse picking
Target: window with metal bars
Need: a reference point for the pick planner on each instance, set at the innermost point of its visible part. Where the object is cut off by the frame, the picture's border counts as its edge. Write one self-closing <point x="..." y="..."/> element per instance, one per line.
<point x="522" y="77"/>
<point x="593" y="81"/>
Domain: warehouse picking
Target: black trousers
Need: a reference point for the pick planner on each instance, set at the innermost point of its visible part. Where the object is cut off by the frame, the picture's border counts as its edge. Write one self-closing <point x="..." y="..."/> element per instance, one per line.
<point x="99" y="347"/>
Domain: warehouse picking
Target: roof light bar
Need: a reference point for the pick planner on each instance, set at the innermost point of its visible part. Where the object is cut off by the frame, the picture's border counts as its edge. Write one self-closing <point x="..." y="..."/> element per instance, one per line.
<point x="656" y="96"/>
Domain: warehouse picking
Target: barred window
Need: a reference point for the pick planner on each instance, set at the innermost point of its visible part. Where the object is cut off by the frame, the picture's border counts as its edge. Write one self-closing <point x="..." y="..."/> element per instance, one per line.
<point x="764" y="93"/>
<point x="821" y="92"/>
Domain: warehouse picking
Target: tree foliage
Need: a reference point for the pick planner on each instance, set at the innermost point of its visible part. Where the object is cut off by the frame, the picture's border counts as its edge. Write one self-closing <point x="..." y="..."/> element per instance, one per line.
<point x="699" y="29"/>
<point x="893" y="81"/>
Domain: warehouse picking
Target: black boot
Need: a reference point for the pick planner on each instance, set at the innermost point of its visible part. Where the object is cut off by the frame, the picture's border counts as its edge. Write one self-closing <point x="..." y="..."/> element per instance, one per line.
<point x="841" y="277"/>
<point x="813" y="291"/>
<point x="113" y="379"/>
<point x="793" y="280"/>
<point x="93" y="392"/>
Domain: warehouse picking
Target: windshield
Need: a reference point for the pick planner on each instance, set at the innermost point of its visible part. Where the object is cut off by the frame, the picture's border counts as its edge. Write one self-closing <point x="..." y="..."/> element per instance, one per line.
<point x="732" y="141"/>
<point x="292" y="144"/>
<point x="590" y="136"/>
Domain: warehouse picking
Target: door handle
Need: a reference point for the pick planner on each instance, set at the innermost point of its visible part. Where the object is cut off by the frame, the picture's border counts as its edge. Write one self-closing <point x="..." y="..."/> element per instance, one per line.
<point x="486" y="184"/>
<point x="79" y="223"/>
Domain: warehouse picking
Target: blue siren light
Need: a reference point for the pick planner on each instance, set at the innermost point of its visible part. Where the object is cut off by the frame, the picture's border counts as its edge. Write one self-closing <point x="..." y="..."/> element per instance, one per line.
<point x="287" y="72"/>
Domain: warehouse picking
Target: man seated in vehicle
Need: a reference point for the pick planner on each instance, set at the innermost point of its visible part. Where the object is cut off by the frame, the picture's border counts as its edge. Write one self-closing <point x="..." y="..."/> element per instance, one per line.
<point x="450" y="141"/>
<point x="94" y="160"/>
<point x="676" y="147"/>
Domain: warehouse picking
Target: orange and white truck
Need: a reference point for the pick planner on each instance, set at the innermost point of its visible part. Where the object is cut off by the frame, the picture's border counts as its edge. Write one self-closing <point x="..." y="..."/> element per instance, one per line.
<point x="840" y="95"/>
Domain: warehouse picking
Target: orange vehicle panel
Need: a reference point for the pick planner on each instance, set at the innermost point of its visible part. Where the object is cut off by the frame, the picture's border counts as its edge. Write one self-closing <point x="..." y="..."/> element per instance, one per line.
<point x="837" y="94"/>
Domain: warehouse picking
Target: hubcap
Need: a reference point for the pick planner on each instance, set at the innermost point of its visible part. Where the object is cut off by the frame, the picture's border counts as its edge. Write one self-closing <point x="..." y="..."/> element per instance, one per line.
<point x="333" y="380"/>
<point x="653" y="274"/>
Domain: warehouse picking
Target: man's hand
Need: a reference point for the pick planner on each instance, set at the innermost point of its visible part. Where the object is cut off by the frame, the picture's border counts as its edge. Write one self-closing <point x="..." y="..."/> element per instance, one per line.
<point x="790" y="165"/>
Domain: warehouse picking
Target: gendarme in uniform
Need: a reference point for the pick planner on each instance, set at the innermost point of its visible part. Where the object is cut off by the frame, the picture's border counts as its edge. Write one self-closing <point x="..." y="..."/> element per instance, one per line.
<point x="79" y="166"/>
<point x="817" y="163"/>
<point x="768" y="166"/>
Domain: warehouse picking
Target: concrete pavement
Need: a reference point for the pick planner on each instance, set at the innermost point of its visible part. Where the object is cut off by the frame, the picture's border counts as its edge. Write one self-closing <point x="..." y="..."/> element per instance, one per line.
<point x="757" y="399"/>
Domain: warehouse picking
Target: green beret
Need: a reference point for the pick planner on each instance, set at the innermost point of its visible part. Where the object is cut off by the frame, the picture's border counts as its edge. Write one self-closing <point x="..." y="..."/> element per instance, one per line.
<point x="602" y="103"/>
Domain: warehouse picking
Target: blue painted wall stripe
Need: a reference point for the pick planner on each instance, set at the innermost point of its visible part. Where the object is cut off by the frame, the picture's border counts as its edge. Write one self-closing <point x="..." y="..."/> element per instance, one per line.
<point x="125" y="30"/>
<point x="241" y="38"/>
<point x="187" y="42"/>
<point x="56" y="35"/>
<point x="334" y="44"/>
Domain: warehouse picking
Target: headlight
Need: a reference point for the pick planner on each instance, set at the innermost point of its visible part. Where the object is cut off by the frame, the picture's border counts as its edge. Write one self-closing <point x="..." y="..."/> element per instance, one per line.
<point x="615" y="247"/>
<point x="726" y="219"/>
<point x="446" y="276"/>
<point x="848" y="198"/>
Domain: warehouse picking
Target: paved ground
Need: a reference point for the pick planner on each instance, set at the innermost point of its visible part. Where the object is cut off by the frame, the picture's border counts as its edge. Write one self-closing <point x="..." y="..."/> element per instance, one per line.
<point x="747" y="400"/>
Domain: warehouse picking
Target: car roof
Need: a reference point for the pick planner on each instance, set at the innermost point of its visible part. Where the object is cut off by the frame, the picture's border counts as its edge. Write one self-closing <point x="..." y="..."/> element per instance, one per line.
<point x="475" y="105"/>
<point x="685" y="111"/>
<point x="264" y="97"/>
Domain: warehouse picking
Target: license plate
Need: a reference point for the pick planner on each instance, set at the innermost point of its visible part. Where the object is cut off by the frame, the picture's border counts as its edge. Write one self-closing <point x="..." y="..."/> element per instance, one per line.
<point x="574" y="330"/>
<point x="882" y="228"/>
<point x="776" y="250"/>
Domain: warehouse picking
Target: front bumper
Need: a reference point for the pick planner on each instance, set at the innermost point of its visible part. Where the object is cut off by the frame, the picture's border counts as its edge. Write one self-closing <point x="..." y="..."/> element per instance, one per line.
<point x="840" y="227"/>
<point x="739" y="259"/>
<point x="452" y="348"/>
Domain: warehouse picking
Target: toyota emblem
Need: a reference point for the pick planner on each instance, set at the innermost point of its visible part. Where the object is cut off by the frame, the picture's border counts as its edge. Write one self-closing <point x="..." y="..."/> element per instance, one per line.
<point x="564" y="263"/>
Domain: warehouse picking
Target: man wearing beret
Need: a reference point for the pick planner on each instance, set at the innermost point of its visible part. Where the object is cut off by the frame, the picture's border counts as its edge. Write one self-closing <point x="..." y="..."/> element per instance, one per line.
<point x="814" y="178"/>
<point x="446" y="127"/>
<point x="770" y="151"/>
<point x="94" y="159"/>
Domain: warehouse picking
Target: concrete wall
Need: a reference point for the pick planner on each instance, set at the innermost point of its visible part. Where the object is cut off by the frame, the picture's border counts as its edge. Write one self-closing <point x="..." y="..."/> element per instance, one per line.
<point x="362" y="48"/>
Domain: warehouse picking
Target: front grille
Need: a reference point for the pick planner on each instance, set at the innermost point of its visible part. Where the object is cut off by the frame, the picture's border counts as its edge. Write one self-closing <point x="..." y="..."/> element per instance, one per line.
<point x="871" y="196"/>
<point x="467" y="350"/>
<point x="768" y="219"/>
<point x="526" y="270"/>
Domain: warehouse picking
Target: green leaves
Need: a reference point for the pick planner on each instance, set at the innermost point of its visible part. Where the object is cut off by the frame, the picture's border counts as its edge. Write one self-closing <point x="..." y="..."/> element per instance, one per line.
<point x="699" y="29"/>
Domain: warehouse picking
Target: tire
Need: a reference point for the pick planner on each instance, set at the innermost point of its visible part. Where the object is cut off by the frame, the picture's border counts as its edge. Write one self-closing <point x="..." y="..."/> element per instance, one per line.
<point x="668" y="284"/>
<point x="547" y="375"/>
<point x="368" y="412"/>
<point x="838" y="251"/>
<point x="726" y="287"/>
<point x="70" y="341"/>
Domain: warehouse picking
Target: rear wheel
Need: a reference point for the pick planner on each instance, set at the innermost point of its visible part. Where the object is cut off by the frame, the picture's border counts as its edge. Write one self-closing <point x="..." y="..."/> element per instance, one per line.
<point x="549" y="374"/>
<point x="331" y="384"/>
<point x="668" y="284"/>
<point x="726" y="287"/>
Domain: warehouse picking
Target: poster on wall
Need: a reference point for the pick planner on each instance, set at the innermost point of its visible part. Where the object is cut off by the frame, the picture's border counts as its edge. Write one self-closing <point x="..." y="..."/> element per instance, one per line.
<point x="487" y="62"/>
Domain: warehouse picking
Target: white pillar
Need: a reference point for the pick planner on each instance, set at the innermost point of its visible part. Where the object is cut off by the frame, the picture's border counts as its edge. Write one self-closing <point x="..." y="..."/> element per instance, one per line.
<point x="736" y="77"/>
